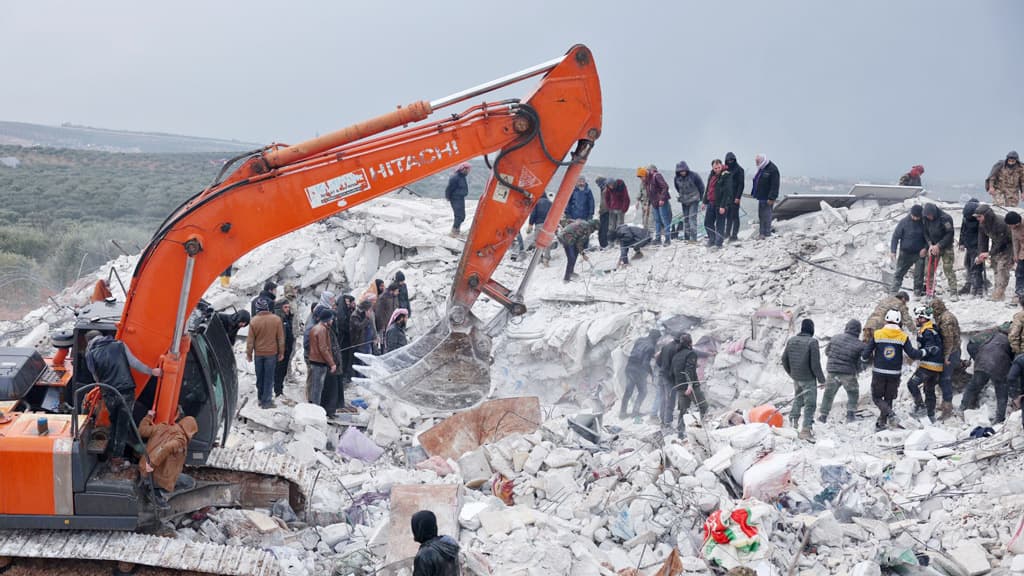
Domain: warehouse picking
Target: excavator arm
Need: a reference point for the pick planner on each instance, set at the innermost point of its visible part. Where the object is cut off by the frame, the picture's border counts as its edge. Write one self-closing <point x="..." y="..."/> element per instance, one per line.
<point x="280" y="189"/>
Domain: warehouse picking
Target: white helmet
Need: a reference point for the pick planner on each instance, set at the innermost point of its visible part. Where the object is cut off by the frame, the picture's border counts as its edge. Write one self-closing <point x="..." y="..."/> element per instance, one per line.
<point x="924" y="312"/>
<point x="893" y="317"/>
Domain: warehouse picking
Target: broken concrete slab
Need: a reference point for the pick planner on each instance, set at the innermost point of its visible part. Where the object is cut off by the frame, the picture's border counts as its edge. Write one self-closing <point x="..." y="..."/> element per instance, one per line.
<point x="444" y="500"/>
<point x="973" y="557"/>
<point x="265" y="524"/>
<point x="474" y="468"/>
<point x="488" y="422"/>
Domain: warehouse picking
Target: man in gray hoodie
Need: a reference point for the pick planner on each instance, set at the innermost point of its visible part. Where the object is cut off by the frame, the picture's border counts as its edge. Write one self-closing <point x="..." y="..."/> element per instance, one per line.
<point x="690" y="192"/>
<point x="802" y="361"/>
<point x="843" y="353"/>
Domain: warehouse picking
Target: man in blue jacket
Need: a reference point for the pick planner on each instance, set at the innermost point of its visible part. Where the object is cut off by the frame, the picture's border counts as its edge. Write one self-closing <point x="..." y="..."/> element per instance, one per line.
<point x="455" y="193"/>
<point x="581" y="203"/>
<point x="766" y="190"/>
<point x="908" y="248"/>
<point x="888" y="345"/>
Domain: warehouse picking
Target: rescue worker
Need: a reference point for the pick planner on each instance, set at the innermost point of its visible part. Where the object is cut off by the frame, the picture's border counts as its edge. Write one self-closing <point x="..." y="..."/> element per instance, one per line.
<point x="877" y="318"/>
<point x="975" y="284"/>
<point x="266" y="344"/>
<point x="283" y="309"/>
<point x="1016" y="335"/>
<point x="992" y="358"/>
<point x="802" y="361"/>
<point x="938" y="233"/>
<point x="638" y="371"/>
<point x="888" y="344"/>
<point x="689" y="191"/>
<point x="909" y="243"/>
<point x="394" y="337"/>
<point x="321" y="356"/>
<point x="628" y="237"/>
<point x="111" y="362"/>
<point x="685" y="382"/>
<point x="166" y="448"/>
<point x="1013" y="222"/>
<point x="996" y="246"/>
<point x="738" y="182"/>
<point x="929" y="367"/>
<point x="581" y="202"/>
<point x="765" y="188"/>
<point x="949" y="328"/>
<point x="1005" y="181"/>
<point x="437" y="555"/>
<point x="574" y="239"/>
<point x="455" y="193"/>
<point x="913" y="177"/>
<point x="843" y="352"/>
<point x="644" y="200"/>
<point x="657" y="193"/>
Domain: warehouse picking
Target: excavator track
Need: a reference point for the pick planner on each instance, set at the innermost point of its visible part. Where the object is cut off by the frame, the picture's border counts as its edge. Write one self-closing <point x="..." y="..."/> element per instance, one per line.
<point x="168" y="554"/>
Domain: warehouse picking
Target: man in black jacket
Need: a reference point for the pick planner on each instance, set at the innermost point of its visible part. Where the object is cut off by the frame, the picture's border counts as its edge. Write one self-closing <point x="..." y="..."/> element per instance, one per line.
<point x="628" y="237"/>
<point x="975" y="284"/>
<point x="686" y="383"/>
<point x="738" y="183"/>
<point x="843" y="352"/>
<point x="802" y="361"/>
<point x="455" y="193"/>
<point x="283" y="309"/>
<point x="638" y="371"/>
<point x="666" y="380"/>
<point x="992" y="359"/>
<point x="995" y="245"/>
<point x="938" y="232"/>
<point x="269" y="293"/>
<point x="765" y="189"/>
<point x="438" y="555"/>
<point x="909" y="243"/>
<point x="343" y="313"/>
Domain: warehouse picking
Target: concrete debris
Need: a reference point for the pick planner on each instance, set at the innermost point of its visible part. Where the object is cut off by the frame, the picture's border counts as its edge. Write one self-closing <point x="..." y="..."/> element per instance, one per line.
<point x="525" y="494"/>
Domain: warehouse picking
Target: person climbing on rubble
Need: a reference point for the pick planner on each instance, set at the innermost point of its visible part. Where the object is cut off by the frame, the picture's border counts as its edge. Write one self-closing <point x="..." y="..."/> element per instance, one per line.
<point x="321" y="356"/>
<point x="638" y="371"/>
<point x="233" y="323"/>
<point x="887" y="347"/>
<point x="877" y="318"/>
<point x="574" y="239"/>
<point x="995" y="245"/>
<point x="1005" y="181"/>
<point x="843" y="352"/>
<point x="689" y="192"/>
<point x="938" y="233"/>
<point x="403" y="293"/>
<point x="536" y="222"/>
<point x="438" y="555"/>
<point x="738" y="181"/>
<point x="1013" y="222"/>
<point x="802" y="361"/>
<point x="269" y="293"/>
<point x="968" y="243"/>
<point x="644" y="199"/>
<point x="111" y="362"/>
<point x="930" y="365"/>
<point x="283" y="309"/>
<point x="618" y="205"/>
<point x="265" y="347"/>
<point x="629" y="237"/>
<point x="913" y="177"/>
<point x="686" y="384"/>
<point x="166" y="448"/>
<point x="455" y="193"/>
<point x="949" y="328"/>
<point x="581" y="202"/>
<point x="661" y="205"/>
<point x="666" y="379"/>
<point x="992" y="357"/>
<point x="765" y="188"/>
<point x="908" y="248"/>
<point x="394" y="337"/>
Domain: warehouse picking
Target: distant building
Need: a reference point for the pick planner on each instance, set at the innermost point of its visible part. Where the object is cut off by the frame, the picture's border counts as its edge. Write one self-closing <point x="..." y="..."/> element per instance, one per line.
<point x="9" y="162"/>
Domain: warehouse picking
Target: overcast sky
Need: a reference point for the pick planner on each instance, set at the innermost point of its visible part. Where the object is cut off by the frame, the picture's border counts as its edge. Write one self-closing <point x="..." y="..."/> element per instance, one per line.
<point x="861" y="88"/>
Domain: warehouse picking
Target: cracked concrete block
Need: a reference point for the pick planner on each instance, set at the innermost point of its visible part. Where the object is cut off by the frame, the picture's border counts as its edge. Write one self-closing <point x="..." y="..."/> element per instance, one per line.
<point x="973" y="557"/>
<point x="474" y="468"/>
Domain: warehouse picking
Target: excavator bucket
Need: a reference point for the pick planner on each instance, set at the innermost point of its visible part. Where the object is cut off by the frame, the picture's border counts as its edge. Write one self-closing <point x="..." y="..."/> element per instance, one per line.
<point x="443" y="369"/>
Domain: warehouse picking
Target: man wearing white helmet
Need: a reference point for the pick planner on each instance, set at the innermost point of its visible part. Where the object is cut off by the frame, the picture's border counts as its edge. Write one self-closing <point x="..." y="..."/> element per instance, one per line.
<point x="888" y="345"/>
<point x="929" y="368"/>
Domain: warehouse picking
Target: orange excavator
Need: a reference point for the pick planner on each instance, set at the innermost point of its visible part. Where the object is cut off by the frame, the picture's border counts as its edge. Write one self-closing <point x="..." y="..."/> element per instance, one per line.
<point x="54" y="472"/>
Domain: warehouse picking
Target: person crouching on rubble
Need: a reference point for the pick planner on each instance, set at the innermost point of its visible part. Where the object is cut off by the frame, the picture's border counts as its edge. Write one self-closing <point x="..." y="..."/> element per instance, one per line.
<point x="166" y="448"/>
<point x="929" y="369"/>
<point x="628" y="237"/>
<point x="888" y="345"/>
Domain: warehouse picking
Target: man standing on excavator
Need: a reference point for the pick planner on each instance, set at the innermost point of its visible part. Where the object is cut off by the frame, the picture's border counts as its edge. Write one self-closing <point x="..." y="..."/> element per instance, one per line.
<point x="111" y="363"/>
<point x="455" y="194"/>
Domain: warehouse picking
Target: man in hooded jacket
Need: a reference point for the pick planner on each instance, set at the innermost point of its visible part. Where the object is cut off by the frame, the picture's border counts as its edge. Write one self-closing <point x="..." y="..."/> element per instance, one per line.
<point x="166" y="447"/>
<point x="908" y="248"/>
<point x="1005" y="181"/>
<point x="938" y="233"/>
<point x="657" y="193"/>
<point x="438" y="555"/>
<point x="638" y="371"/>
<point x="685" y="382"/>
<point x="975" y="284"/>
<point x="455" y="193"/>
<point x="283" y="309"/>
<point x="690" y="191"/>
<point x="992" y="359"/>
<point x="843" y="352"/>
<point x="995" y="245"/>
<point x="581" y="202"/>
<point x="802" y="361"/>
<point x="738" y="183"/>
<point x="912" y="178"/>
<point x="765" y="189"/>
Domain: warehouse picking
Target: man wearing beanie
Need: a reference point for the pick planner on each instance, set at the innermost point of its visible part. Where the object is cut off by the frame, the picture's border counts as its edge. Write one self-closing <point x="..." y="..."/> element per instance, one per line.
<point x="1013" y="222"/>
<point x="907" y="248"/>
<point x="802" y="361"/>
<point x="266" y="343"/>
<point x="912" y="178"/>
<point x="995" y="245"/>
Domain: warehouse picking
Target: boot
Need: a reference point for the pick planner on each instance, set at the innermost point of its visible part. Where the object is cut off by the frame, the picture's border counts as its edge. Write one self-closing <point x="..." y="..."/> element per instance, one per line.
<point x="806" y="434"/>
<point x="454" y="233"/>
<point x="851" y="417"/>
<point x="919" y="409"/>
<point x="823" y="418"/>
<point x="965" y="290"/>
<point x="638" y="255"/>
<point x="947" y="410"/>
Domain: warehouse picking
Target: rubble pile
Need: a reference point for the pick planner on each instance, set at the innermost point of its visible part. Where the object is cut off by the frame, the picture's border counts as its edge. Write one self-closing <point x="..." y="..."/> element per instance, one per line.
<point x="546" y="479"/>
